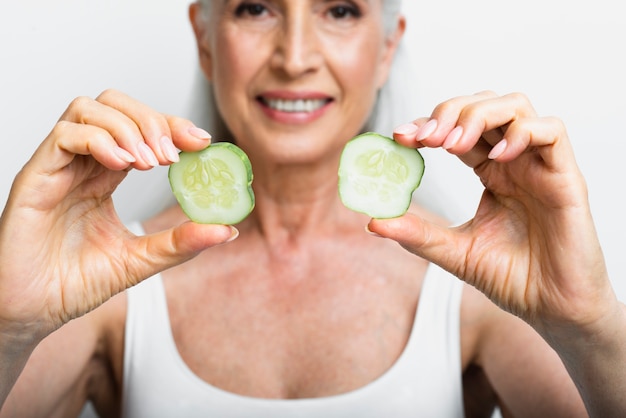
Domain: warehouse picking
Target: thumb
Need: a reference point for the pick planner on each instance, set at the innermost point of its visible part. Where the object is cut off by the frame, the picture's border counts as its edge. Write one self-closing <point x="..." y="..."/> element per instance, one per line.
<point x="428" y="240"/>
<point x="162" y="250"/>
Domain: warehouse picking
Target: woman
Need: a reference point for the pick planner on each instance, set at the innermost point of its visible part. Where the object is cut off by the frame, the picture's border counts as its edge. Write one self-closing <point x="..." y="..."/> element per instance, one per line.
<point x="301" y="312"/>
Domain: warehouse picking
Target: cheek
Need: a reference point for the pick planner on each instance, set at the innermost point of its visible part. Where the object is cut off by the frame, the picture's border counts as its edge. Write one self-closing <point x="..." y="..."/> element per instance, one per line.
<point x="359" y="55"/>
<point x="233" y="71"/>
<point x="357" y="68"/>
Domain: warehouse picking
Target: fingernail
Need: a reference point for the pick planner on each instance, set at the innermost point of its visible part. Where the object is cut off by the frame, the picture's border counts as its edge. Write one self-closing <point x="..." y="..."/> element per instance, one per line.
<point x="497" y="150"/>
<point x="234" y="233"/>
<point x="169" y="151"/>
<point x="147" y="154"/>
<point x="199" y="133"/>
<point x="124" y="155"/>
<point x="406" y="129"/>
<point x="374" y="234"/>
<point x="427" y="130"/>
<point x="453" y="137"/>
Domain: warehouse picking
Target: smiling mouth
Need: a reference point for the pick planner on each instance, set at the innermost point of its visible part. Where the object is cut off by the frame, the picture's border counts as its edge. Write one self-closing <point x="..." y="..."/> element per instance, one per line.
<point x="294" y="106"/>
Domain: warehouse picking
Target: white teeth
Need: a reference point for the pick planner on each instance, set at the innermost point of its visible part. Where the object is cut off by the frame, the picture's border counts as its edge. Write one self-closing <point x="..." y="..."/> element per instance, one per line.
<point x="300" y="105"/>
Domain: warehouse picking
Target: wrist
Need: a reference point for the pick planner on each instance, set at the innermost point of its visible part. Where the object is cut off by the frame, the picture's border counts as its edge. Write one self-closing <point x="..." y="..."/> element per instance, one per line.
<point x="14" y="354"/>
<point x="18" y="340"/>
<point x="593" y="354"/>
<point x="602" y="332"/>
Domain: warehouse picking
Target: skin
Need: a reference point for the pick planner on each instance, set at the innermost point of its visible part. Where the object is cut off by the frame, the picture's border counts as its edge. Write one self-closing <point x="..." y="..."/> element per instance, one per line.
<point x="538" y="296"/>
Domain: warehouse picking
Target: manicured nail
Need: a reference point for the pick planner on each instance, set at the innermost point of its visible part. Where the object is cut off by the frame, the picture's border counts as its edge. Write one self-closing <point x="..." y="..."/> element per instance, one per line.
<point x="498" y="149"/>
<point x="124" y="155"/>
<point x="453" y="137"/>
<point x="234" y="233"/>
<point x="147" y="154"/>
<point x="427" y="130"/>
<point x="374" y="234"/>
<point x="406" y="129"/>
<point x="199" y="133"/>
<point x="169" y="151"/>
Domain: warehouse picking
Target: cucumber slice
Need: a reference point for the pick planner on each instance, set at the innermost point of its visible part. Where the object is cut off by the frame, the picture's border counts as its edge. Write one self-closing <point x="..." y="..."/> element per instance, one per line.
<point x="377" y="176"/>
<point x="214" y="185"/>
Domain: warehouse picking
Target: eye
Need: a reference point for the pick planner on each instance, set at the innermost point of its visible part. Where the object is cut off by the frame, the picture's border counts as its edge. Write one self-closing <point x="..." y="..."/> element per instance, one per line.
<point x="250" y="9"/>
<point x="344" y="12"/>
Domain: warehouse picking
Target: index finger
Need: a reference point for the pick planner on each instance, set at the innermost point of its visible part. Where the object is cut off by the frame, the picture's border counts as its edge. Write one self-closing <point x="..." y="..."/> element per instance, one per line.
<point x="160" y="132"/>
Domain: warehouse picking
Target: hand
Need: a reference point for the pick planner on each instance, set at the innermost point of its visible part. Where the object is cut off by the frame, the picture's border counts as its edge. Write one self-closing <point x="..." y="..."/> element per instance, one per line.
<point x="63" y="250"/>
<point x="531" y="247"/>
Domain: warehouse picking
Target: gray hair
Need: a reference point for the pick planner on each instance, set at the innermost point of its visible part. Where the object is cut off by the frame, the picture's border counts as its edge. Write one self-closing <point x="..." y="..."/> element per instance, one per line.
<point x="393" y="103"/>
<point x="391" y="11"/>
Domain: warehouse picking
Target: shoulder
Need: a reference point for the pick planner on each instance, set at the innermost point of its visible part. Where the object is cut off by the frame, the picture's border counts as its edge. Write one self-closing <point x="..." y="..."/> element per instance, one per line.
<point x="477" y="315"/>
<point x="518" y="364"/>
<point x="107" y="370"/>
<point x="487" y="330"/>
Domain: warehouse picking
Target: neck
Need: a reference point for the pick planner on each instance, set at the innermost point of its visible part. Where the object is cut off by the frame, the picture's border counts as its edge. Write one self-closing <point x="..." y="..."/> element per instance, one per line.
<point x="297" y="201"/>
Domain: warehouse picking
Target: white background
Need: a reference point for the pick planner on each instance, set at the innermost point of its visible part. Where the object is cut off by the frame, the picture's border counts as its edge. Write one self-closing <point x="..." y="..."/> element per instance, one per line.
<point x="568" y="57"/>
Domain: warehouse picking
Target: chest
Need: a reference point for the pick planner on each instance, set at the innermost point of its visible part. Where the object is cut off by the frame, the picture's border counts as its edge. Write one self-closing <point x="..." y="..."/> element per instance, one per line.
<point x="291" y="328"/>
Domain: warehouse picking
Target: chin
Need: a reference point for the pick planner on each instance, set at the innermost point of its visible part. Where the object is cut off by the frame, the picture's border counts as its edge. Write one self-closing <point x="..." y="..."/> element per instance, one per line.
<point x="299" y="152"/>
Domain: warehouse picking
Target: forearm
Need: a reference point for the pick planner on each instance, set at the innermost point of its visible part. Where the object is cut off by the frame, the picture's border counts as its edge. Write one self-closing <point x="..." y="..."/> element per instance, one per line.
<point x="54" y="377"/>
<point x="13" y="359"/>
<point x="596" y="361"/>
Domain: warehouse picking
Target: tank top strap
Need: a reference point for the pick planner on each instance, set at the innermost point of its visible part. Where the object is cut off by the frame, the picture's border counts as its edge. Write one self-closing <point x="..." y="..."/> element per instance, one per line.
<point x="424" y="381"/>
<point x="435" y="343"/>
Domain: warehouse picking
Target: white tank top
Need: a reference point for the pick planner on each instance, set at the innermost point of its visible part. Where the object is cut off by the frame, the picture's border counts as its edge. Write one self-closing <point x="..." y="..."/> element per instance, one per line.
<point x="425" y="381"/>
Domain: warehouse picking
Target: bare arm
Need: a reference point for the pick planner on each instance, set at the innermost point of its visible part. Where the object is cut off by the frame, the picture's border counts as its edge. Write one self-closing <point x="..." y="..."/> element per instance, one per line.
<point x="63" y="250"/>
<point x="595" y="358"/>
<point x="526" y="374"/>
<point x="532" y="379"/>
<point x="55" y="381"/>
<point x="532" y="247"/>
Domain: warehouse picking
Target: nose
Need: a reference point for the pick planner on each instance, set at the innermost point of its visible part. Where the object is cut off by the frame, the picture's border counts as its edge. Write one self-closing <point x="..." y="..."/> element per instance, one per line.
<point x="297" y="49"/>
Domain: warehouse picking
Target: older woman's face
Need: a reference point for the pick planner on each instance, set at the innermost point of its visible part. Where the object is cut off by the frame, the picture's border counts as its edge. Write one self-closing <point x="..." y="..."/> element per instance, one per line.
<point x="294" y="79"/>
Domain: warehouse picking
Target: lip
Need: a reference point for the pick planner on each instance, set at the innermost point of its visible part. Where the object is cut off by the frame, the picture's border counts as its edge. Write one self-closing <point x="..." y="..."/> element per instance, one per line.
<point x="294" y="117"/>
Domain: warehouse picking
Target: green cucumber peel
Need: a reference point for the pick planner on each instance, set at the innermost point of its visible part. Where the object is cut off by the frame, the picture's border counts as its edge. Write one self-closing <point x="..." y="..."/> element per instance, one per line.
<point x="213" y="185"/>
<point x="377" y="175"/>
